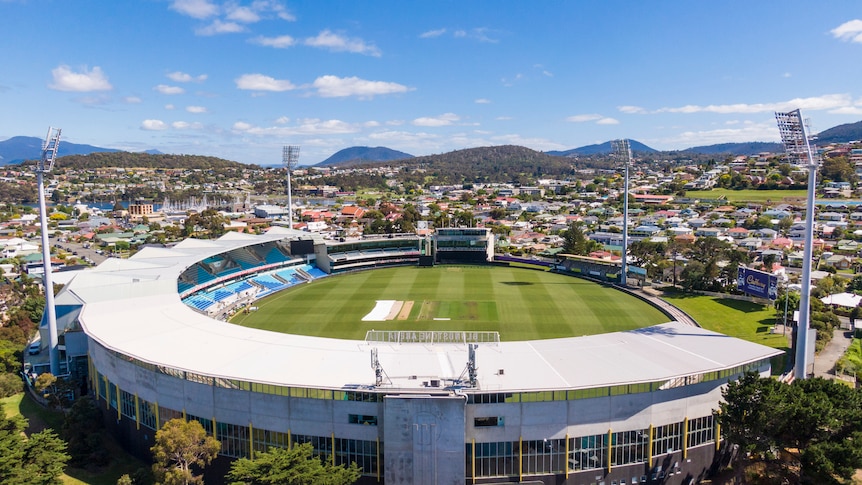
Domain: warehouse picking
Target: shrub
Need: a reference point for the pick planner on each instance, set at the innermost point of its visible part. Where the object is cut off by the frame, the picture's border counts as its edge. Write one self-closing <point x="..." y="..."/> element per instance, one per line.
<point x="10" y="384"/>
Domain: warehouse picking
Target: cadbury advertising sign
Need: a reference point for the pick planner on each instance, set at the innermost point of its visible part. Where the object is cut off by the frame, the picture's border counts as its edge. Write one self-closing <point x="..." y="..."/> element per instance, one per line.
<point x="757" y="283"/>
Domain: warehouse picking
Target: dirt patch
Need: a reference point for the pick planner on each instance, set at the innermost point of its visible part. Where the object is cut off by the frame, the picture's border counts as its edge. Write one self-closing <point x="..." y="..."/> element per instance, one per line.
<point x="394" y="310"/>
<point x="406" y="308"/>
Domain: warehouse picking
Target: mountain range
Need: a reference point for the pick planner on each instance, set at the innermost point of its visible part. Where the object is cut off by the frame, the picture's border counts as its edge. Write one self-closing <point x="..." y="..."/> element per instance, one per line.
<point x="21" y="148"/>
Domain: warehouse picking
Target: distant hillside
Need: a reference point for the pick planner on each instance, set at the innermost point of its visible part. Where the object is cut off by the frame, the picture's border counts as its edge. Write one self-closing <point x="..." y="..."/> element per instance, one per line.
<point x="840" y="134"/>
<point x="602" y="149"/>
<point x="20" y="148"/>
<point x="750" y="148"/>
<point x="357" y="155"/>
<point x="145" y="160"/>
<point x="506" y="163"/>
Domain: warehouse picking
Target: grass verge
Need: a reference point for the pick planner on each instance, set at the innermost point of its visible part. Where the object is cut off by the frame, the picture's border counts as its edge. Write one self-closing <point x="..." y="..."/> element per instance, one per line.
<point x="736" y="318"/>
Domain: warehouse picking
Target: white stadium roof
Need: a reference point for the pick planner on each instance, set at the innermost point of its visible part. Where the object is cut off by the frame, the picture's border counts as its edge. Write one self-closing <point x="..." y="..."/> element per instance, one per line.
<point x="132" y="306"/>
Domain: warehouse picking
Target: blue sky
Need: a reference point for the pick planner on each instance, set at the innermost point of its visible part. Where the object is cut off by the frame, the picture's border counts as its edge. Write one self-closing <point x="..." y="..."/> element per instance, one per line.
<point x="240" y="79"/>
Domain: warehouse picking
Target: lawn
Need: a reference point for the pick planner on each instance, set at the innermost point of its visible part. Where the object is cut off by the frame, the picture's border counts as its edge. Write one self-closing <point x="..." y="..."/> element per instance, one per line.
<point x="521" y="304"/>
<point x="39" y="418"/>
<point x="776" y="196"/>
<point x="740" y="319"/>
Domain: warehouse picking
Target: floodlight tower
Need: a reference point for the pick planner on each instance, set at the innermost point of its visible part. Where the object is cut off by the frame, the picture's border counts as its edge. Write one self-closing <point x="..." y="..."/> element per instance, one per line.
<point x="290" y="155"/>
<point x="45" y="165"/>
<point x="623" y="150"/>
<point x="798" y="150"/>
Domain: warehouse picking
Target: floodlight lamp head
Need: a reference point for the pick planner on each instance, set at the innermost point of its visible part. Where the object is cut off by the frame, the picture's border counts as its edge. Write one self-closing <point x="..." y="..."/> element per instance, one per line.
<point x="49" y="150"/>
<point x="290" y="156"/>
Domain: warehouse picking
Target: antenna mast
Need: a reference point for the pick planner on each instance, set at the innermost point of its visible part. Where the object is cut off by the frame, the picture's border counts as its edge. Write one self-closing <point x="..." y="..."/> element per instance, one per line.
<point x="289" y="158"/>
<point x="45" y="165"/>
<point x="623" y="150"/>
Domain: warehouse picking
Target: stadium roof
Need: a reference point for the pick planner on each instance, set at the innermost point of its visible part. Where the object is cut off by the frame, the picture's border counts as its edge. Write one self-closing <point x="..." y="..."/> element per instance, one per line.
<point x="133" y="307"/>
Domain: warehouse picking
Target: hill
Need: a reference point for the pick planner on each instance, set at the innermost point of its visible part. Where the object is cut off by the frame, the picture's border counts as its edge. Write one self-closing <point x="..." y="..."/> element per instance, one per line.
<point x="358" y="155"/>
<point x="750" y="148"/>
<point x="840" y="134"/>
<point x="145" y="160"/>
<point x="602" y="149"/>
<point x="20" y="148"/>
<point x="506" y="163"/>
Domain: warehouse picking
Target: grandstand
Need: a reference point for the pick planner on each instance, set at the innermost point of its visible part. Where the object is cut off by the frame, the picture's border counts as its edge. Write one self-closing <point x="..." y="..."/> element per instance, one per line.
<point x="626" y="407"/>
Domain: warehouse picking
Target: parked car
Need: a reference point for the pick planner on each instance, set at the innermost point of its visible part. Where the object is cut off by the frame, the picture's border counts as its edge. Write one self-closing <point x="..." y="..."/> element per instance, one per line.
<point x="34" y="348"/>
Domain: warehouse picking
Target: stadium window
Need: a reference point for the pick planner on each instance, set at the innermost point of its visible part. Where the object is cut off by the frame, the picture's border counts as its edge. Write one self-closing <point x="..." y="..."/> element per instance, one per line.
<point x="148" y="414"/>
<point x="362" y="419"/>
<point x="127" y="404"/>
<point x="363" y="453"/>
<point x="234" y="440"/>
<point x="207" y="424"/>
<point x="587" y="452"/>
<point x="112" y="394"/>
<point x="490" y="421"/>
<point x="498" y="459"/>
<point x="667" y="438"/>
<point x="700" y="431"/>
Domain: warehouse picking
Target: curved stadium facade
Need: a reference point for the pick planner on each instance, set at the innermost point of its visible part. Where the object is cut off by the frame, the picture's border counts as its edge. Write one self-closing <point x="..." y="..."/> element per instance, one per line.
<point x="146" y="337"/>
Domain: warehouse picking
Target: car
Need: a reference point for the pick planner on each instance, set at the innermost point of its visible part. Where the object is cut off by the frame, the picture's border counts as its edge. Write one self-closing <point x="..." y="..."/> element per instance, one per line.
<point x="34" y="348"/>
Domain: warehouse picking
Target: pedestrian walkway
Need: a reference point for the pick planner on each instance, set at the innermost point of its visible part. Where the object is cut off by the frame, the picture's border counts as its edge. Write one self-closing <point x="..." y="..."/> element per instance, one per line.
<point x="824" y="362"/>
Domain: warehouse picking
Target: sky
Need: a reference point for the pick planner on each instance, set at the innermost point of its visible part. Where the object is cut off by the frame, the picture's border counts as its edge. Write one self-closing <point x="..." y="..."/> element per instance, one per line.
<point x="241" y="79"/>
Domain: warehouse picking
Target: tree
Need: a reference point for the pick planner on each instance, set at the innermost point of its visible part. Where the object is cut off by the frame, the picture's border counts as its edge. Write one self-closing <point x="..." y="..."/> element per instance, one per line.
<point x="38" y="459"/>
<point x="181" y="447"/>
<point x="575" y="242"/>
<point x="81" y="430"/>
<point x="295" y="466"/>
<point x="816" y="422"/>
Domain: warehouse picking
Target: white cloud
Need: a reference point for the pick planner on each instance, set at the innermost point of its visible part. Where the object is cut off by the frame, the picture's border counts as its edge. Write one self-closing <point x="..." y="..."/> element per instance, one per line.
<point x="747" y="131"/>
<point x="259" y="82"/>
<point x="220" y="27"/>
<point x="185" y="125"/>
<point x="153" y="125"/>
<point x="482" y="101"/>
<point x="371" y="124"/>
<point x="303" y="127"/>
<point x="534" y="143"/>
<point x="402" y="136"/>
<point x="242" y="14"/>
<point x="182" y="77"/>
<point x="432" y="33"/>
<point x="584" y="118"/>
<point x="445" y="119"/>
<point x="199" y="9"/>
<point x="338" y="43"/>
<point x="170" y="107"/>
<point x="196" y="109"/>
<point x="132" y="100"/>
<point x="82" y="82"/>
<point x="786" y="75"/>
<point x="849" y="31"/>
<point x="599" y="119"/>
<point x="504" y="118"/>
<point x="847" y="110"/>
<point x="170" y="90"/>
<point x="460" y="33"/>
<point x="631" y="109"/>
<point x="280" y="42"/>
<point x="825" y="102"/>
<point x="283" y="120"/>
<point x="335" y="87"/>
